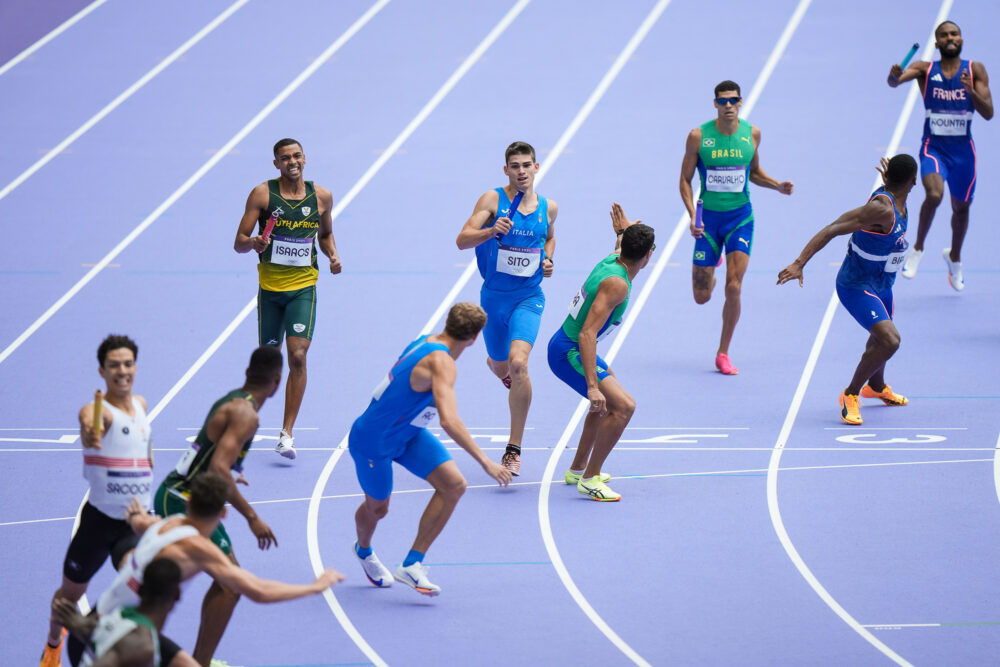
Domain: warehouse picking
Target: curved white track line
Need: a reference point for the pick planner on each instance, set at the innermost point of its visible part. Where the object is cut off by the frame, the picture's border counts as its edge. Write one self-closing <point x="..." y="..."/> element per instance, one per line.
<point x="196" y="176"/>
<point x="637" y="306"/>
<point x="65" y="25"/>
<point x="807" y="371"/>
<point x="127" y="93"/>
<point x="312" y="519"/>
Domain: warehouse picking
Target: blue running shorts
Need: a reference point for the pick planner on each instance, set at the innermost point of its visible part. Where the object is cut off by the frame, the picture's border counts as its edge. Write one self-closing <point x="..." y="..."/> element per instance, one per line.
<point x="724" y="230"/>
<point x="564" y="360"/>
<point x="955" y="161"/>
<point x="865" y="306"/>
<point x="510" y="316"/>
<point x="421" y="455"/>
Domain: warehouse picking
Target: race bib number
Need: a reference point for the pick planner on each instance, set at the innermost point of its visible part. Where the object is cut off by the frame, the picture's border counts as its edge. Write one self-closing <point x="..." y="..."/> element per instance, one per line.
<point x="291" y="251"/>
<point x="515" y="261"/>
<point x="726" y="179"/>
<point x="577" y="303"/>
<point x="895" y="261"/>
<point x="948" y="124"/>
<point x="184" y="465"/>
<point x="424" y="418"/>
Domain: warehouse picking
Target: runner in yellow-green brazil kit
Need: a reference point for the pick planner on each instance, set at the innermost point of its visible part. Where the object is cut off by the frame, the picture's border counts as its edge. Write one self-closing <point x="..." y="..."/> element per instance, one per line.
<point x="597" y="310"/>
<point x="725" y="152"/>
<point x="288" y="268"/>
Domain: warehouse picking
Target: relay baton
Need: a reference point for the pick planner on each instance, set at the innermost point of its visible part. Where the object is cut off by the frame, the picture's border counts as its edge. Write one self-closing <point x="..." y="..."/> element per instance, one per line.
<point x="271" y="221"/>
<point x="909" y="55"/>
<point x="699" y="207"/>
<point x="98" y="412"/>
<point x="513" y="209"/>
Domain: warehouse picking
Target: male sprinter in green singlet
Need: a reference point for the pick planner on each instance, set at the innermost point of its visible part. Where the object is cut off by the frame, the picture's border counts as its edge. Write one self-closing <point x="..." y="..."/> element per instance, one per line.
<point x="288" y="268"/>
<point x="221" y="445"/>
<point x="595" y="312"/>
<point x="724" y="151"/>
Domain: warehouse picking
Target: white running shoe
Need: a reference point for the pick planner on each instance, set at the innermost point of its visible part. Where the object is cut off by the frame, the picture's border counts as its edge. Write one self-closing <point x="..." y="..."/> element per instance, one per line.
<point x="376" y="572"/>
<point x="285" y="445"/>
<point x="415" y="576"/>
<point x="911" y="263"/>
<point x="955" y="278"/>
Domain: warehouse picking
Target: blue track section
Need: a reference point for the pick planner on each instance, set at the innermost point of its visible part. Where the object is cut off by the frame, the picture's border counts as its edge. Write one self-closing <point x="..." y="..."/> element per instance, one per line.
<point x="897" y="519"/>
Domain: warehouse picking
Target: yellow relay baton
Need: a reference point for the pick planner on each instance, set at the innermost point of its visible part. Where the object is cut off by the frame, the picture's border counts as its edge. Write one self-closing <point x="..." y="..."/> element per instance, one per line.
<point x="98" y="412"/>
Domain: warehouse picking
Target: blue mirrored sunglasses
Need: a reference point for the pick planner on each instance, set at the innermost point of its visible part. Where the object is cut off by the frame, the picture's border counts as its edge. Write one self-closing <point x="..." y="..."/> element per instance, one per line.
<point x="726" y="101"/>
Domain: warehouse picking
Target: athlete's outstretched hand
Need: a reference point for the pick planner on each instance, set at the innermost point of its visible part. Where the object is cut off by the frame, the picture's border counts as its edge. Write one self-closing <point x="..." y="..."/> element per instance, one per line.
<point x="263" y="533"/>
<point x="619" y="220"/>
<point x="895" y="72"/>
<point x="791" y="272"/>
<point x="328" y="579"/>
<point x="498" y="472"/>
<point x="785" y="187"/>
<point x="883" y="166"/>
<point x="598" y="403"/>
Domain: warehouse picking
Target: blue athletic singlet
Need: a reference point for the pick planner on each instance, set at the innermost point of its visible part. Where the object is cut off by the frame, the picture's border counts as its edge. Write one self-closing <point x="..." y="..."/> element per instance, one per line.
<point x="396" y="412"/>
<point x="948" y="107"/>
<point x="873" y="259"/>
<point x="947" y="148"/>
<point x="514" y="262"/>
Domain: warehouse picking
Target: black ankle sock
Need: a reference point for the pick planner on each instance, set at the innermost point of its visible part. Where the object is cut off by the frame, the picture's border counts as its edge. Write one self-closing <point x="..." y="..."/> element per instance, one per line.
<point x="514" y="449"/>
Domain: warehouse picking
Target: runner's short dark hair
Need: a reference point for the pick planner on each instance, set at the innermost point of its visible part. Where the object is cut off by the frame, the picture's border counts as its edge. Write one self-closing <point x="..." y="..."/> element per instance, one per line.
<point x="265" y="361"/>
<point x="161" y="581"/>
<point x="113" y="342"/>
<point x="943" y="24"/>
<point x="727" y="85"/>
<point x="637" y="240"/>
<point x="519" y="148"/>
<point x="285" y="142"/>
<point x="901" y="169"/>
<point x="208" y="495"/>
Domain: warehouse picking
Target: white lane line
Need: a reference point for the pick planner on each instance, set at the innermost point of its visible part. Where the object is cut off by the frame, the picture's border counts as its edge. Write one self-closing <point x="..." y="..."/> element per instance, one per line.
<point x="582" y="406"/>
<point x="60" y="29"/>
<point x="61" y="440"/>
<point x="124" y="95"/>
<point x="625" y="478"/>
<point x="205" y="356"/>
<point x="897" y="428"/>
<point x="793" y="410"/>
<point x="312" y="519"/>
<point x="197" y="176"/>
<point x="996" y="468"/>
<point x="687" y="428"/>
<point x="29" y="450"/>
<point x="557" y="150"/>
<point x="273" y="104"/>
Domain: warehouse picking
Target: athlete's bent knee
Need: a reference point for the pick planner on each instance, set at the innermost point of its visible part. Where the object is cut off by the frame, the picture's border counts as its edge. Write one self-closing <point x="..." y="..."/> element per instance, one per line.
<point x="519" y="367"/>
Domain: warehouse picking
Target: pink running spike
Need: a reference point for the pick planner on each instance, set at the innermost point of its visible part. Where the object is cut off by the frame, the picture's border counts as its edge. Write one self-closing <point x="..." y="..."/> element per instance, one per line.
<point x="724" y="365"/>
